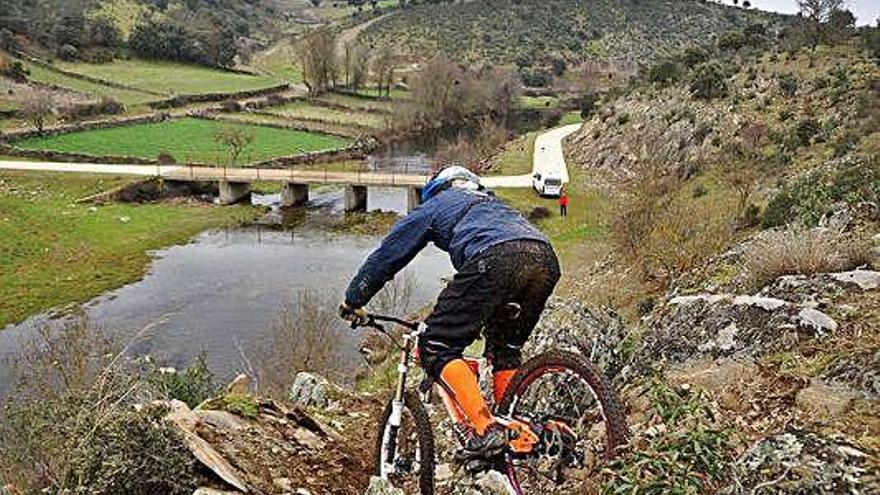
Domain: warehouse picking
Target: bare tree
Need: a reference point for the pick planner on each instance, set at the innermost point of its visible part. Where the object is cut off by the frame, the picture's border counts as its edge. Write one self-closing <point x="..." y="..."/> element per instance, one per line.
<point x="356" y="65"/>
<point x="36" y="108"/>
<point x="318" y="61"/>
<point x="360" y="70"/>
<point x="236" y="140"/>
<point x="304" y="338"/>
<point x="443" y="94"/>
<point x="383" y="69"/>
<point x="741" y="168"/>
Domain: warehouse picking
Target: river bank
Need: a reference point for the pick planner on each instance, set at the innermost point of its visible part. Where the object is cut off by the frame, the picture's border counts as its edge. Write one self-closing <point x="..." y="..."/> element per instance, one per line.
<point x="55" y="251"/>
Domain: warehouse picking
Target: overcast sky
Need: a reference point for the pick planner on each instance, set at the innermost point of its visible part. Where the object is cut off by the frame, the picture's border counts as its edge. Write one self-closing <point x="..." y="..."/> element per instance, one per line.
<point x="866" y="11"/>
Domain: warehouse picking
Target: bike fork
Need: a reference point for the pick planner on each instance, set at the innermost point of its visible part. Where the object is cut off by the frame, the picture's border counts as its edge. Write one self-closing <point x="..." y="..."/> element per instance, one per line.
<point x="397" y="403"/>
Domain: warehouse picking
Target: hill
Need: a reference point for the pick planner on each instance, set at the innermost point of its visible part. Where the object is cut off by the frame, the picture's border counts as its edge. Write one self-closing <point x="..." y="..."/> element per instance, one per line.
<point x="209" y="32"/>
<point x="553" y="32"/>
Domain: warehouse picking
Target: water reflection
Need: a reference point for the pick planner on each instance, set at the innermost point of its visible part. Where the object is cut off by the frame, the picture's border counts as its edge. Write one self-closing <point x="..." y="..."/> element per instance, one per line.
<point x="221" y="293"/>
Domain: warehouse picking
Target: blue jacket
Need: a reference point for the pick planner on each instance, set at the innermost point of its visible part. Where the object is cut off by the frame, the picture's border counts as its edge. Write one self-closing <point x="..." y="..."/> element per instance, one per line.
<point x="460" y="222"/>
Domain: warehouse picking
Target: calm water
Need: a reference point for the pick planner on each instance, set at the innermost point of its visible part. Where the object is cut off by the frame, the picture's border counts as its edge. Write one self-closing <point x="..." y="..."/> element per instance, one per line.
<point x="222" y="292"/>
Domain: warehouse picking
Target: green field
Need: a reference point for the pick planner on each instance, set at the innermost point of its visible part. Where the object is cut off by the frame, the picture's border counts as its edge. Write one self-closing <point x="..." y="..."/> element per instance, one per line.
<point x="278" y="60"/>
<point x="54" y="252"/>
<point x="46" y="76"/>
<point x="572" y="118"/>
<point x="538" y="101"/>
<point x="305" y="110"/>
<point x="586" y="215"/>
<point x="188" y="140"/>
<point x="170" y="77"/>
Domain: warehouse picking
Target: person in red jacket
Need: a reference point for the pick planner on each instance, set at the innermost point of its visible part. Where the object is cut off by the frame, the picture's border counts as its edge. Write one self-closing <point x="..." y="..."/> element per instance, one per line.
<point x="563" y="203"/>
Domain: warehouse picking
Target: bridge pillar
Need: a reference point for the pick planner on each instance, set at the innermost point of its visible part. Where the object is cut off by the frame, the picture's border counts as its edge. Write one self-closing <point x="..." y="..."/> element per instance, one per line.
<point x="413" y="198"/>
<point x="294" y="195"/>
<point x="234" y="192"/>
<point x="355" y="198"/>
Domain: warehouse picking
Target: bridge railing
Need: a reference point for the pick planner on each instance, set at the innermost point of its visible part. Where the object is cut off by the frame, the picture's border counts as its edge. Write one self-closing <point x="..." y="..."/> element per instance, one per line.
<point x="349" y="172"/>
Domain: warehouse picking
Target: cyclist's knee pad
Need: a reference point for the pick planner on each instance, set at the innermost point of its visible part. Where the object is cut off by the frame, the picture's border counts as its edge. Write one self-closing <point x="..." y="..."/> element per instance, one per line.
<point x="435" y="355"/>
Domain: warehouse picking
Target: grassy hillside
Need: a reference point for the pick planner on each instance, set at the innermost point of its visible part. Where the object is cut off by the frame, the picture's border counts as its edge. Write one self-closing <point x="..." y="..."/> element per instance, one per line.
<point x="170" y="77"/>
<point x="529" y="33"/>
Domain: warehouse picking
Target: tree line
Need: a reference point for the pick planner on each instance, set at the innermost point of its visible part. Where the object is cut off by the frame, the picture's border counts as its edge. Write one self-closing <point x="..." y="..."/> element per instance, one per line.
<point x="207" y="32"/>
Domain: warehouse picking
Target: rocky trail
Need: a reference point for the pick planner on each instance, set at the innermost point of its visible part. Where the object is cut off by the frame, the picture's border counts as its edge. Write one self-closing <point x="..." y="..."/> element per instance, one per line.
<point x="791" y="370"/>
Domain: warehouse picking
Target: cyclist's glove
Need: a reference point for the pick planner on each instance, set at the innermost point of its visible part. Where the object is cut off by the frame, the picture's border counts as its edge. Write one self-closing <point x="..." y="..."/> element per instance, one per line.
<point x="357" y="316"/>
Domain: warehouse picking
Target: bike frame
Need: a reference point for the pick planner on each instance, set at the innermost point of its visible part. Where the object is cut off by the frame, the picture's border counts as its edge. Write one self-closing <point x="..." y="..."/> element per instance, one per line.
<point x="455" y="411"/>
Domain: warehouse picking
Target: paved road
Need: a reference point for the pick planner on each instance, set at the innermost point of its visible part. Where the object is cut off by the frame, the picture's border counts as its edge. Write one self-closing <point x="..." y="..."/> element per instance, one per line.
<point x="548" y="157"/>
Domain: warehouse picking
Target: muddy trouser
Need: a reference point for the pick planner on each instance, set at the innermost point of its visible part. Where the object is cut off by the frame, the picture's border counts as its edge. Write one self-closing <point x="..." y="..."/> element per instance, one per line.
<point x="523" y="272"/>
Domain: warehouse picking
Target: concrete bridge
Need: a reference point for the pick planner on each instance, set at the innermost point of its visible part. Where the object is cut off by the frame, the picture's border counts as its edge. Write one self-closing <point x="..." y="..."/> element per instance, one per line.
<point x="235" y="183"/>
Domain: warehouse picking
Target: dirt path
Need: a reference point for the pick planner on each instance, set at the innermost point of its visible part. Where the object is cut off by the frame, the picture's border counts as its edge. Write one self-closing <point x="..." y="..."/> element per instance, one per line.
<point x="548" y="158"/>
<point x="349" y="35"/>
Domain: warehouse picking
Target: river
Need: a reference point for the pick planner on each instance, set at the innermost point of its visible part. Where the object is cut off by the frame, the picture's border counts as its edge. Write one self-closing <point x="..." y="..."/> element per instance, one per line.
<point x="221" y="293"/>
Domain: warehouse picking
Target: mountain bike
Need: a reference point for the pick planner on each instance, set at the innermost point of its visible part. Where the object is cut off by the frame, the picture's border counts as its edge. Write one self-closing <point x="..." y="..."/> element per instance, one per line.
<point x="562" y="417"/>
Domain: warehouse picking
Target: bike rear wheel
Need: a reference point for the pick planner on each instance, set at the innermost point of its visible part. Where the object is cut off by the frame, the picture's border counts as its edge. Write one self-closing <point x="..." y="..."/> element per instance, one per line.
<point x="560" y="387"/>
<point x="404" y="454"/>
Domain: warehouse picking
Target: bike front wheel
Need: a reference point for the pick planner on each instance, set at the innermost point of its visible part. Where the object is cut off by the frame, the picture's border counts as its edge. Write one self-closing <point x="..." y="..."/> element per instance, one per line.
<point x="582" y="423"/>
<point x="404" y="454"/>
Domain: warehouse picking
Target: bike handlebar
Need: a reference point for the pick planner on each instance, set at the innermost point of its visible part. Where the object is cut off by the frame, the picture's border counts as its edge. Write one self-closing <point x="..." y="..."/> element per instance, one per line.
<point x="374" y="319"/>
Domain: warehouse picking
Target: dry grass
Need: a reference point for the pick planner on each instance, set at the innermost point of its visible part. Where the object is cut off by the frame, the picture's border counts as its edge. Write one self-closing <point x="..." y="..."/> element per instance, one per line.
<point x="661" y="229"/>
<point x="803" y="251"/>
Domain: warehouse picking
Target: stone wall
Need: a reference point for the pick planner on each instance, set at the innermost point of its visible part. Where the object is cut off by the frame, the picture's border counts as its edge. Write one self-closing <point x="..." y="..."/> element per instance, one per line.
<point x="15" y="135"/>
<point x="58" y="156"/>
<point x="183" y="100"/>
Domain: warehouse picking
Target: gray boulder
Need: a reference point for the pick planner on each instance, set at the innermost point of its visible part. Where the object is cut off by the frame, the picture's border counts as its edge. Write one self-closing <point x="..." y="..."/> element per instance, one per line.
<point x="726" y="325"/>
<point x="310" y="390"/>
<point x="378" y="486"/>
<point x="799" y="462"/>
<point x="597" y="333"/>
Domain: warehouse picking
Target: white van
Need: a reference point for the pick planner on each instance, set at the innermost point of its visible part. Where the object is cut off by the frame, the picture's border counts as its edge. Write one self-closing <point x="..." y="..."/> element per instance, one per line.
<point x="547" y="184"/>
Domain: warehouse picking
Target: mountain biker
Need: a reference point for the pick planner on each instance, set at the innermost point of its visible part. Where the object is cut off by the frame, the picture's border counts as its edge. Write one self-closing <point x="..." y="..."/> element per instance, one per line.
<point x="499" y="258"/>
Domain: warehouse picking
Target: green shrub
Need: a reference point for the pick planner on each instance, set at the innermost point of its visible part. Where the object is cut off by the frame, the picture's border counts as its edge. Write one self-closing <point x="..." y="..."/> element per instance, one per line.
<point x="69" y="424"/>
<point x="788" y="85"/>
<point x="813" y="195"/>
<point x="694" y="55"/>
<point x="15" y="71"/>
<point x="587" y="105"/>
<point x="68" y="53"/>
<point x="665" y="73"/>
<point x="708" y="81"/>
<point x="192" y="386"/>
<point x="806" y="130"/>
<point x="840" y="76"/>
<point x="132" y="452"/>
<point x="242" y="405"/>
<point x="821" y="82"/>
<point x="690" y="455"/>
<point x="845" y="144"/>
<point x="732" y="41"/>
